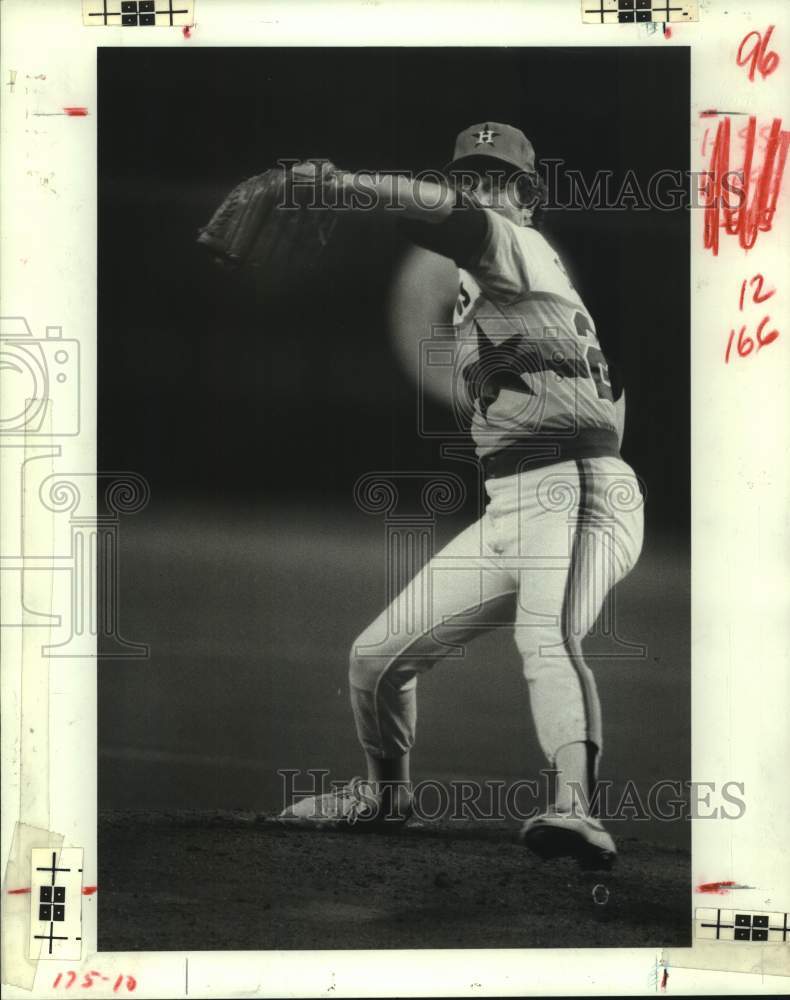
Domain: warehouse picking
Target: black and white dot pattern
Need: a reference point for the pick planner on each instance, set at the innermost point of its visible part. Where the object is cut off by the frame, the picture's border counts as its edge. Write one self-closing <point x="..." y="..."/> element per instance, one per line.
<point x="637" y="11"/>
<point x="56" y="904"/>
<point x="138" y="13"/>
<point x="759" y="926"/>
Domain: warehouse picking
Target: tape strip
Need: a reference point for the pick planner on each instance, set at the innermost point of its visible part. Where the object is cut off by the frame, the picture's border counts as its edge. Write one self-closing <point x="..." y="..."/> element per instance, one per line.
<point x="38" y="544"/>
<point x="18" y="968"/>
<point x="32" y="547"/>
<point x="737" y="940"/>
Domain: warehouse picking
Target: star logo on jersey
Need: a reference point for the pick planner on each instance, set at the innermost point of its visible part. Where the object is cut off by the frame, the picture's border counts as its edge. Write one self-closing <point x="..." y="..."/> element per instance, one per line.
<point x="504" y="365"/>
<point x="485" y="137"/>
<point x="497" y="367"/>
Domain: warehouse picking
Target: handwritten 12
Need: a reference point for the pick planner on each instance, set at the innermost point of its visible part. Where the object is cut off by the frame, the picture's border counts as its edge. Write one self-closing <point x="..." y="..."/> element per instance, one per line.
<point x="745" y="344"/>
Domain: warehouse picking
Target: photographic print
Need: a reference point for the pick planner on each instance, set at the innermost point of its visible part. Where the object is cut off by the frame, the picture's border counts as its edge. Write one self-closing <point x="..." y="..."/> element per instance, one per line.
<point x="424" y="432"/>
<point x="393" y="457"/>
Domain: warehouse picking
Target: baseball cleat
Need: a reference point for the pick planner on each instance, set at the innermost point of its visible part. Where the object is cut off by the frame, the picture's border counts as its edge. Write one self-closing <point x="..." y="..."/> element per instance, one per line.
<point x="570" y="835"/>
<point x="356" y="804"/>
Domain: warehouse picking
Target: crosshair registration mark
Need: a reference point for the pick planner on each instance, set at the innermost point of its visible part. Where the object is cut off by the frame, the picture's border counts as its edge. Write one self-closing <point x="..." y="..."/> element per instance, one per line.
<point x="635" y="11"/>
<point x="52" y="901"/>
<point x="138" y="12"/>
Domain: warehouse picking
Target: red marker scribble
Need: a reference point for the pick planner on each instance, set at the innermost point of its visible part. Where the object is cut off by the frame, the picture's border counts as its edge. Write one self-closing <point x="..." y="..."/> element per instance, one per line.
<point x="720" y="888"/>
<point x="87" y="890"/>
<point x="76" y="112"/>
<point x="664" y="979"/>
<point x="717" y="888"/>
<point x="667" y="31"/>
<point x="735" y="201"/>
<point x="756" y="54"/>
<point x="186" y="31"/>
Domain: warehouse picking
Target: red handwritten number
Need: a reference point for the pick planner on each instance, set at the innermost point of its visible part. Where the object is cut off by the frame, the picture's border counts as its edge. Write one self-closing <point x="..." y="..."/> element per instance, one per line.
<point x="756" y="54"/>
<point x="746" y="344"/>
<point x="89" y="980"/>
<point x="757" y="295"/>
<point x="768" y="338"/>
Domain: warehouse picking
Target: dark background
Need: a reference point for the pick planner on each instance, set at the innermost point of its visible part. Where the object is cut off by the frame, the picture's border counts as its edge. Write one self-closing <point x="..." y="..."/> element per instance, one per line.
<point x="250" y="572"/>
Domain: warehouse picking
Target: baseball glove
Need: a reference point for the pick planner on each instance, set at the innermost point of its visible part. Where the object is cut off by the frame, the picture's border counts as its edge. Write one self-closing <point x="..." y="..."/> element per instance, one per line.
<point x="276" y="224"/>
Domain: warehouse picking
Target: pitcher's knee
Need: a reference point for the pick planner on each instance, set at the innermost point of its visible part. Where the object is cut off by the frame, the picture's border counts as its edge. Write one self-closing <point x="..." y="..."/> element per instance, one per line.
<point x="545" y="650"/>
<point x="391" y="661"/>
<point x="533" y="643"/>
<point x="370" y="657"/>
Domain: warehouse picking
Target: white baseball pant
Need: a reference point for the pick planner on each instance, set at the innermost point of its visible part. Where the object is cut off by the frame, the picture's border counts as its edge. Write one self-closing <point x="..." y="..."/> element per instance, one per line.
<point x="556" y="539"/>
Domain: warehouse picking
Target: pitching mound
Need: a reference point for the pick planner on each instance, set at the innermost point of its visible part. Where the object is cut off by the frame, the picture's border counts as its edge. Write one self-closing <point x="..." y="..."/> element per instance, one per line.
<point x="233" y="881"/>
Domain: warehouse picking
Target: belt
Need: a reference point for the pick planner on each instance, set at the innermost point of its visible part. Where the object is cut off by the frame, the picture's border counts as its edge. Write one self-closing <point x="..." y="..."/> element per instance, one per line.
<point x="541" y="450"/>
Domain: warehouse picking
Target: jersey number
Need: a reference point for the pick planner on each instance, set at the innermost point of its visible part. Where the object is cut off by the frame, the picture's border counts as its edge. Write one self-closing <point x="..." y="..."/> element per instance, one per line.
<point x="464" y="298"/>
<point x="596" y="362"/>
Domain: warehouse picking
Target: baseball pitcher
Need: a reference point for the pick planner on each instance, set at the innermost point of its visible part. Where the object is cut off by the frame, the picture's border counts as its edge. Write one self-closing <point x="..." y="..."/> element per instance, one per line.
<point x="564" y="516"/>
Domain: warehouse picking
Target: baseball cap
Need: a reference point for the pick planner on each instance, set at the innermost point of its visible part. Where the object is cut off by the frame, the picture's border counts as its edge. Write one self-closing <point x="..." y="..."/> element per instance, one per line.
<point x="492" y="141"/>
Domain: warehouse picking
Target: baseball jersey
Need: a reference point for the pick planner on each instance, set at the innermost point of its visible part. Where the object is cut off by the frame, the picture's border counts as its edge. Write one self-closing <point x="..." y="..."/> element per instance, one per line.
<point x="528" y="354"/>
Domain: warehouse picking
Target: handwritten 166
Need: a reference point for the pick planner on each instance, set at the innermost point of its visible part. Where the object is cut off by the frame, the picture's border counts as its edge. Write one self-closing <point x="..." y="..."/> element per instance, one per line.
<point x="763" y="336"/>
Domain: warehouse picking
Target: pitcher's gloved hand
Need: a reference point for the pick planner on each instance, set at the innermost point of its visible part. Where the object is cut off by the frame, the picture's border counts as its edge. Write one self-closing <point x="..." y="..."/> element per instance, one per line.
<point x="276" y="222"/>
